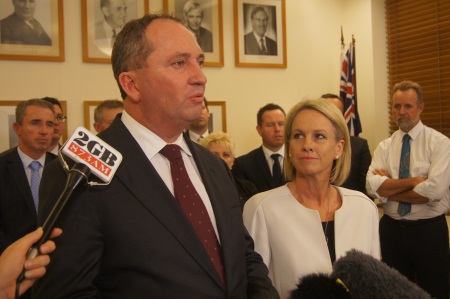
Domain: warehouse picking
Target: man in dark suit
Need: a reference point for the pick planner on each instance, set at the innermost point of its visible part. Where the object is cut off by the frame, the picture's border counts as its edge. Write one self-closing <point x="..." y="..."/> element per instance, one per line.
<point x="114" y="17"/>
<point x="256" y="42"/>
<point x="22" y="28"/>
<point x="34" y="127"/>
<point x="133" y="238"/>
<point x="58" y="126"/>
<point x="361" y="157"/>
<point x="258" y="165"/>
<point x="18" y="210"/>
<point x="193" y="14"/>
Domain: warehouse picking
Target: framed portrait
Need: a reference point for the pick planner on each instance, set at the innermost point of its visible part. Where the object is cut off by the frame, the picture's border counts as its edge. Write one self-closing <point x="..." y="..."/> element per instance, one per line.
<point x="32" y="30"/>
<point x="204" y="19"/>
<point x="218" y="118"/>
<point x="100" y="25"/>
<point x="8" y="137"/>
<point x="89" y="108"/>
<point x="260" y="33"/>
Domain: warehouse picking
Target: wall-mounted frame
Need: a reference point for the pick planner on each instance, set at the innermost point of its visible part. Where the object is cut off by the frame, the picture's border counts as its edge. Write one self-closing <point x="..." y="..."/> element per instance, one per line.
<point x="98" y="34"/>
<point x="269" y="20"/>
<point x="44" y="42"/>
<point x="218" y="118"/>
<point x="8" y="137"/>
<point x="89" y="108"/>
<point x="205" y="17"/>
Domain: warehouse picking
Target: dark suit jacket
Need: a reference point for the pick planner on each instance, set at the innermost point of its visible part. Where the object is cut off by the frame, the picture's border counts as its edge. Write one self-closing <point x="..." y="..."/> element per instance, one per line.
<point x="17" y="212"/>
<point x="131" y="239"/>
<point x="14" y="30"/>
<point x="252" y="45"/>
<point x="253" y="167"/>
<point x="205" y="40"/>
<point x="361" y="159"/>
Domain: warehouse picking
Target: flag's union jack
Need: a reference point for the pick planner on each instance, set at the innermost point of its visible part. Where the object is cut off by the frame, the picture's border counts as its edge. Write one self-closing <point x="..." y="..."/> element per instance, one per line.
<point x="347" y="91"/>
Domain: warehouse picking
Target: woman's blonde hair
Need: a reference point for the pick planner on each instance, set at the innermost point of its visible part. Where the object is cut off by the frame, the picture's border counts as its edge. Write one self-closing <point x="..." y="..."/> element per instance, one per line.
<point x="218" y="138"/>
<point x="341" y="166"/>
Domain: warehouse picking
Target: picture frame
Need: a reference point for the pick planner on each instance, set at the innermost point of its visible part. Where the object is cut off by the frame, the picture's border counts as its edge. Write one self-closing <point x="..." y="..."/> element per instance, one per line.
<point x="45" y="42"/>
<point x="210" y="36"/>
<point x="8" y="137"/>
<point x="218" y="117"/>
<point x="249" y="52"/>
<point x="89" y="108"/>
<point x="97" y="34"/>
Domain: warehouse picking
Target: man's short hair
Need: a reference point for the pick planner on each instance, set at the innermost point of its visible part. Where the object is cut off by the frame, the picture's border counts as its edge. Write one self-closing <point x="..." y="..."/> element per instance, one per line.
<point x="191" y="5"/>
<point x="131" y="49"/>
<point x="256" y="10"/>
<point x="265" y="108"/>
<point x="54" y="101"/>
<point x="104" y="3"/>
<point x="22" y="107"/>
<point x="106" y="104"/>
<point x="405" y="85"/>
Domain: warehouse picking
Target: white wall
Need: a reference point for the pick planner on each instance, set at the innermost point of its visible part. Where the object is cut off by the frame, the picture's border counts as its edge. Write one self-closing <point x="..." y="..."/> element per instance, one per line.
<point x="313" y="48"/>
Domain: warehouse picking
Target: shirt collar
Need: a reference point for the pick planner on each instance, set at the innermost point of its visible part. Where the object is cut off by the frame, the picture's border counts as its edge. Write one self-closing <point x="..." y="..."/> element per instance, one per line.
<point x="26" y="160"/>
<point x="150" y="143"/>
<point x="415" y="131"/>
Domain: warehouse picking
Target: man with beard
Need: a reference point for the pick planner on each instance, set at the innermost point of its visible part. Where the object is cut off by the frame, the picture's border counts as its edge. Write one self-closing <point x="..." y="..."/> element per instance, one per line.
<point x="410" y="174"/>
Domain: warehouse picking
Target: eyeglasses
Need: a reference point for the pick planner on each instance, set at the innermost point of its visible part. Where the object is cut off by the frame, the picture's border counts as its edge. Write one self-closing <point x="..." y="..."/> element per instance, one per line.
<point x="61" y="118"/>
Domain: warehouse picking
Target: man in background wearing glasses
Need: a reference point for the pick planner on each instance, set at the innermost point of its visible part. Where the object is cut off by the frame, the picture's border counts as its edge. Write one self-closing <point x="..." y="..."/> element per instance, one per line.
<point x="58" y="126"/>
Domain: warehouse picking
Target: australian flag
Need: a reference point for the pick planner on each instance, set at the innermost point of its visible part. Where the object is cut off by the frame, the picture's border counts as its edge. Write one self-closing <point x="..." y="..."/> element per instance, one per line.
<point x="347" y="91"/>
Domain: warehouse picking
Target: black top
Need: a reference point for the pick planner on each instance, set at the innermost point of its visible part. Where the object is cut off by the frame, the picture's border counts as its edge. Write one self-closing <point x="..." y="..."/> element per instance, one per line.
<point x="329" y="236"/>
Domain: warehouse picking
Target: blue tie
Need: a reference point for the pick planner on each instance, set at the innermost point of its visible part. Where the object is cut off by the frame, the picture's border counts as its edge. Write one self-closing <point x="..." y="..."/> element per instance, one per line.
<point x="404" y="208"/>
<point x="35" y="180"/>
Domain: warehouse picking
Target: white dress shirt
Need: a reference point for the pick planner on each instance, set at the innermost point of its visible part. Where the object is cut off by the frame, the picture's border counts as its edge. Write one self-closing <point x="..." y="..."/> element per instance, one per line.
<point x="151" y="144"/>
<point x="430" y="158"/>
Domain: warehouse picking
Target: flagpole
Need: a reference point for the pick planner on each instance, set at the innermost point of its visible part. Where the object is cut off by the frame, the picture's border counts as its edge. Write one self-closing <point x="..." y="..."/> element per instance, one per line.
<point x="354" y="66"/>
<point x="342" y="39"/>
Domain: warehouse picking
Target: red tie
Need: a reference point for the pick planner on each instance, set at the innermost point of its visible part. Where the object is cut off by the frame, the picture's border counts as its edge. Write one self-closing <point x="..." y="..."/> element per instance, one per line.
<point x="193" y="207"/>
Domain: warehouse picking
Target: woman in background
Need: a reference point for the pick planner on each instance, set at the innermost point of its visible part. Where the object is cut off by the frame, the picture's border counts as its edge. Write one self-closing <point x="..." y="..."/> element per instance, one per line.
<point x="221" y="144"/>
<point x="305" y="225"/>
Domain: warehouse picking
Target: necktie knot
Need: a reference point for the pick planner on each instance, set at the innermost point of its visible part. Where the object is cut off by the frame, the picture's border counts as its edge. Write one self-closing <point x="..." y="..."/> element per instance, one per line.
<point x="406" y="138"/>
<point x="172" y="152"/>
<point x="35" y="165"/>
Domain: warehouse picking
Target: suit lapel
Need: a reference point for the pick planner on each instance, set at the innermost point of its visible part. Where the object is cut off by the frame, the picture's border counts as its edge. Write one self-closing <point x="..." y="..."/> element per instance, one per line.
<point x="138" y="175"/>
<point x="17" y="171"/>
<point x="264" y="168"/>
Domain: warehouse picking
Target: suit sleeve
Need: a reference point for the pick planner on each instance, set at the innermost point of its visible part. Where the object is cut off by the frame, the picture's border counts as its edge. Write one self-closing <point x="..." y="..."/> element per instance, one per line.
<point x="366" y="159"/>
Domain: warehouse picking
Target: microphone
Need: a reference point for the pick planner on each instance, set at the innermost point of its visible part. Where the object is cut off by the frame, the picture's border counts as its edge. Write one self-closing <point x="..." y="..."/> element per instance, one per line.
<point x="91" y="155"/>
<point x="361" y="276"/>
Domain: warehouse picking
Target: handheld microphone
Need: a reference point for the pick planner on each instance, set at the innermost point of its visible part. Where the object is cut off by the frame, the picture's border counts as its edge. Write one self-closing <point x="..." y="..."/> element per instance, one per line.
<point x="91" y="155"/>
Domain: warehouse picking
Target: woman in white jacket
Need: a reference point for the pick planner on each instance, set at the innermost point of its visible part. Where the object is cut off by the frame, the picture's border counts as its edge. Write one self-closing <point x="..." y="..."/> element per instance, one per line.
<point x="305" y="225"/>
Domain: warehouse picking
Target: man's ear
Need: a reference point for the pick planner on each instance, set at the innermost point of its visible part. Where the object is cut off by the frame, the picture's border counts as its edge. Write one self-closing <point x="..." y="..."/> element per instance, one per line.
<point x="128" y="84"/>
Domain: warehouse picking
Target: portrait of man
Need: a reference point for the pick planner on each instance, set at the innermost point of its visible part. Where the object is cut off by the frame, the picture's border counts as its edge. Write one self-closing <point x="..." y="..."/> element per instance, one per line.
<point x="193" y="16"/>
<point x="21" y="27"/>
<point x="257" y="42"/>
<point x="114" y="14"/>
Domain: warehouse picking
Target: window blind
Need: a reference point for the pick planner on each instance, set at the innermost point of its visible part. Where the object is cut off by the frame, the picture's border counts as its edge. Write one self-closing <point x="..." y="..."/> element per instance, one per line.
<point x="418" y="41"/>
